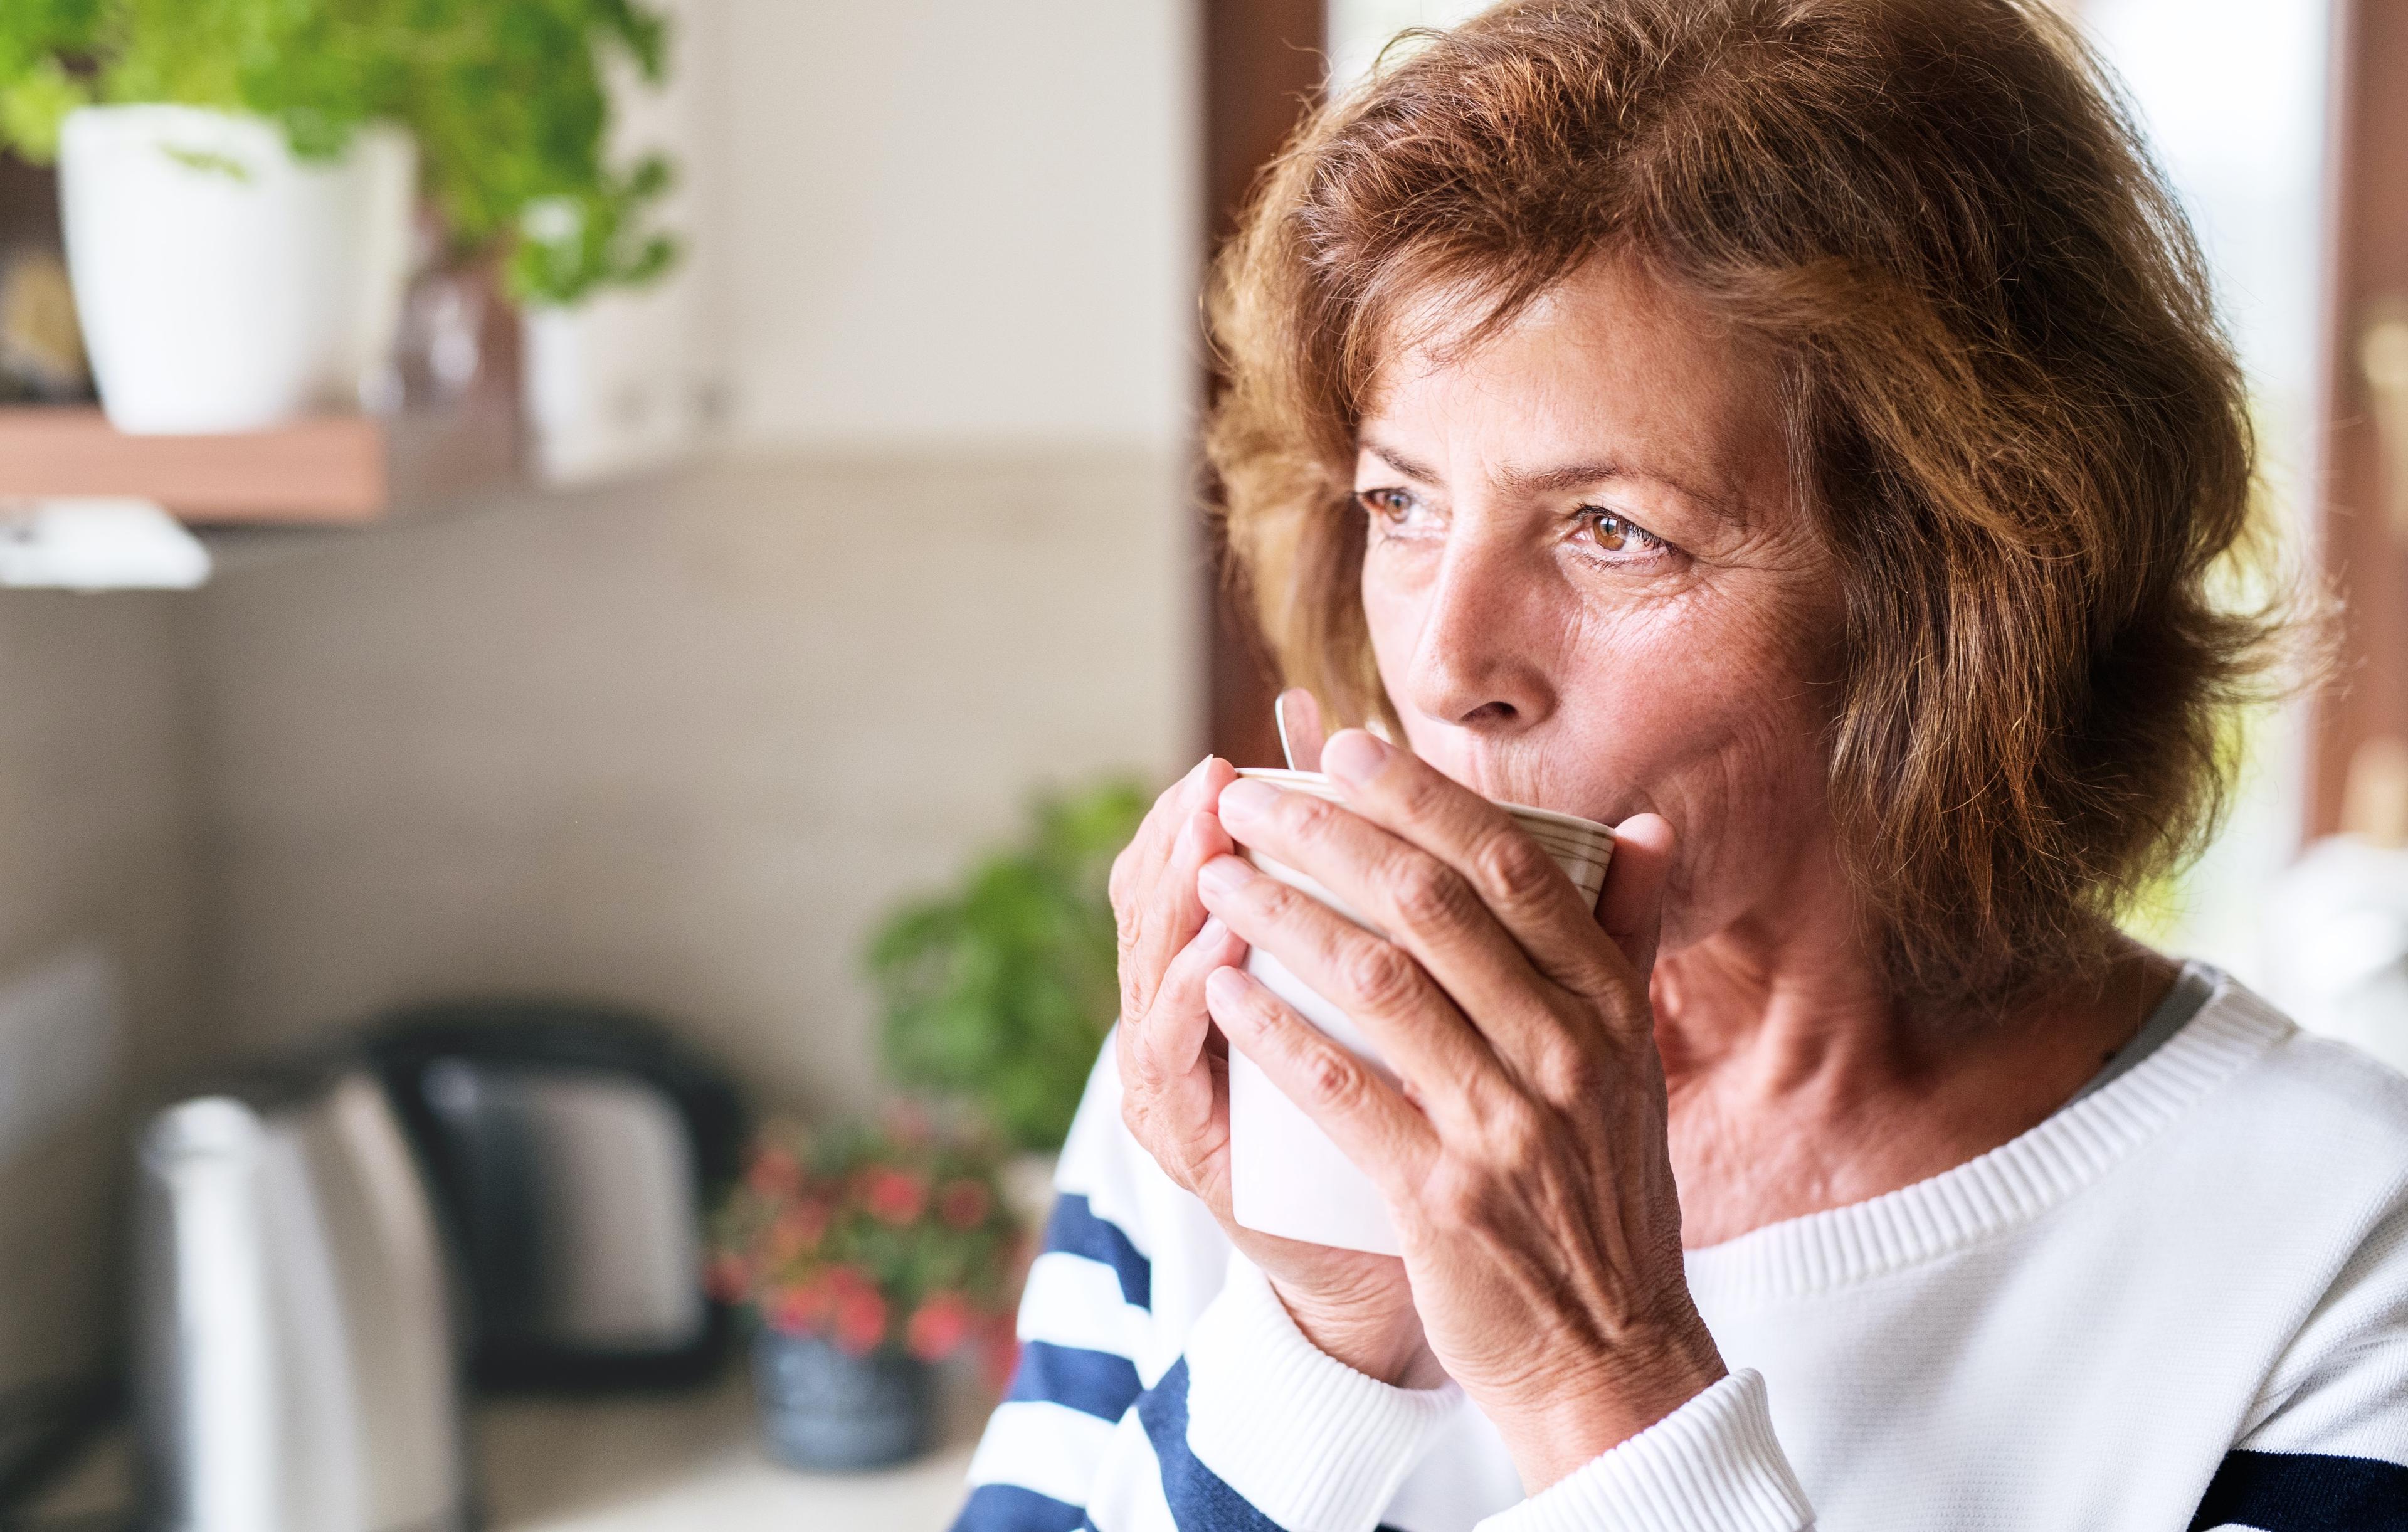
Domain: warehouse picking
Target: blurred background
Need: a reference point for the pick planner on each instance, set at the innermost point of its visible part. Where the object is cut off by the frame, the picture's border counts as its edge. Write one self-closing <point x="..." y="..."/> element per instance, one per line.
<point x="580" y="641"/>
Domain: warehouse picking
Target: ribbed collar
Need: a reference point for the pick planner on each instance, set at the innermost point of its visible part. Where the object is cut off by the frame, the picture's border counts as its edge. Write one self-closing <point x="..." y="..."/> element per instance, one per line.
<point x="2009" y="1186"/>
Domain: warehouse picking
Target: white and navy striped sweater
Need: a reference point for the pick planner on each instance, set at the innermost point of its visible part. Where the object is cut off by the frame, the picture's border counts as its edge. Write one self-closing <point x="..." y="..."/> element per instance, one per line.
<point x="2181" y="1302"/>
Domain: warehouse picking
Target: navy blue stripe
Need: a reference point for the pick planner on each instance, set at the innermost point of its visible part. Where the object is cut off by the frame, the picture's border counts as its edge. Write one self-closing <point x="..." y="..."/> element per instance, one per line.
<point x="2305" y="1492"/>
<point x="1075" y="1228"/>
<point x="1095" y="1383"/>
<point x="1008" y="1507"/>
<point x="1200" y="1500"/>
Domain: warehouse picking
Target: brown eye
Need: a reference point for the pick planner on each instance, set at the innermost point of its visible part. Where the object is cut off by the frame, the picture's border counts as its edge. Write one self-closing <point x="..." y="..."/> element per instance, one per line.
<point x="1389" y="504"/>
<point x="1611" y="533"/>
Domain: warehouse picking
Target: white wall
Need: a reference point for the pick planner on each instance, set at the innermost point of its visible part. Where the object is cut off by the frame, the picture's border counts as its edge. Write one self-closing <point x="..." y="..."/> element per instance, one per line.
<point x="953" y="218"/>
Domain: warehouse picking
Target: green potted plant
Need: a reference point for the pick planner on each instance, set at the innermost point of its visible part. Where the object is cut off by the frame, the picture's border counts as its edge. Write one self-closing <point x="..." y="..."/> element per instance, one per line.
<point x="863" y="1255"/>
<point x="238" y="177"/>
<point x="999" y="991"/>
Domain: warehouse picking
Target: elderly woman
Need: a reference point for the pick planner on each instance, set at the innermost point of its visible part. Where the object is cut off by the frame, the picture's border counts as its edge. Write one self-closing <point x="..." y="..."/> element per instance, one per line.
<point x="1795" y="431"/>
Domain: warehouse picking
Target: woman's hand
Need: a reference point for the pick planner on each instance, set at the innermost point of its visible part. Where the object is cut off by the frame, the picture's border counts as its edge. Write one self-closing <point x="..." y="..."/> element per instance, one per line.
<point x="1175" y="1077"/>
<point x="1524" y="1161"/>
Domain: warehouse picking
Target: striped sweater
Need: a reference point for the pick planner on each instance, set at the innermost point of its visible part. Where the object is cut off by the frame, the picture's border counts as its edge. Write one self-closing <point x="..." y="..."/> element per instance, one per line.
<point x="2181" y="1301"/>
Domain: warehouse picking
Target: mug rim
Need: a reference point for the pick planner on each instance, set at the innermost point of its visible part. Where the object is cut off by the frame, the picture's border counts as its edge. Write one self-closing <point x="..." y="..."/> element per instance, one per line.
<point x="1320" y="786"/>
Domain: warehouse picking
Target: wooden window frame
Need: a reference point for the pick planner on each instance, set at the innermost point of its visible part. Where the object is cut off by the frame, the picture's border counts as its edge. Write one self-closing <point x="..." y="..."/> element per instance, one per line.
<point x="1264" y="67"/>
<point x="2364" y="559"/>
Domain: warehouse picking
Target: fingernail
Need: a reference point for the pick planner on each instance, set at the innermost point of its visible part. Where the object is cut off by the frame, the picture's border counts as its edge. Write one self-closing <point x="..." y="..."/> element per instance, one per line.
<point x="1223" y="875"/>
<point x="1225" y="989"/>
<point x="1214" y="934"/>
<point x="1247" y="800"/>
<point x="1352" y="756"/>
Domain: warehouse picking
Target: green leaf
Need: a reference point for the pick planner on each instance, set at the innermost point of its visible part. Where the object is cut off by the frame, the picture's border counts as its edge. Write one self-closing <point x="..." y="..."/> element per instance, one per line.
<point x="505" y="98"/>
<point x="1001" y="993"/>
<point x="34" y="105"/>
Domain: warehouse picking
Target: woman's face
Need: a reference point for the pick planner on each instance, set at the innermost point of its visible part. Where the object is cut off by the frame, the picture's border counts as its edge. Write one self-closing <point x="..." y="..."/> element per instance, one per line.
<point x="1590" y="588"/>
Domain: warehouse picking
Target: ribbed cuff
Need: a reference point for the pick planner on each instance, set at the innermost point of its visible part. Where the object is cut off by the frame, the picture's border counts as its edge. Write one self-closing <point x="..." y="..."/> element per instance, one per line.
<point x="1713" y="1463"/>
<point x="1311" y="1443"/>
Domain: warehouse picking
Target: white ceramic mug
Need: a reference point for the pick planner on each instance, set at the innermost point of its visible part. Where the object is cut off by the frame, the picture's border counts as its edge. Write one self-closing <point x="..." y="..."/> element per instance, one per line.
<point x="1285" y="1175"/>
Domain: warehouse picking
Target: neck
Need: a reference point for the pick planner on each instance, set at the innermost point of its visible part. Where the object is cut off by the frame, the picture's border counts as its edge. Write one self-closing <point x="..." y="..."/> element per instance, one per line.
<point x="1797" y="1083"/>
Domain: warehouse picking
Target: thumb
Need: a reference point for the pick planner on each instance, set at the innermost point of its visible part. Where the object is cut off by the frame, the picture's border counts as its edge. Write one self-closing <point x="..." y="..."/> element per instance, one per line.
<point x="1631" y="907"/>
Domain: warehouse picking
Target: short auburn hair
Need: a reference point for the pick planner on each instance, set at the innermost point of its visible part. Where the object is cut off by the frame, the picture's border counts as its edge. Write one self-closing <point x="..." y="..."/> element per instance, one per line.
<point x="2010" y="413"/>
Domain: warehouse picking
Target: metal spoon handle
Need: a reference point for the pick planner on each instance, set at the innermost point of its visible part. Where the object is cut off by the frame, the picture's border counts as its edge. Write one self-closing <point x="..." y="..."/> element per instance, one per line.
<point x="1300" y="728"/>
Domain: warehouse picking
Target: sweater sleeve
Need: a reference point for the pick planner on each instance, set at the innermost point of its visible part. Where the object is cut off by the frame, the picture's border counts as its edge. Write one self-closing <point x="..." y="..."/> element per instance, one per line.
<point x="1161" y="1383"/>
<point x="2327" y="1445"/>
<point x="1711" y="1466"/>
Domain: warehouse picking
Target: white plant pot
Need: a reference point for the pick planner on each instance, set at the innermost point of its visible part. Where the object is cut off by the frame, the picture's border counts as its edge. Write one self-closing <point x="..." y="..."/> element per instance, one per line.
<point x="222" y="283"/>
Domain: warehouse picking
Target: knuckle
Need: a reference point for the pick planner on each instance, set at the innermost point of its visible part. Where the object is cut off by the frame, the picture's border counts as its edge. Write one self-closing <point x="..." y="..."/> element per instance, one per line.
<point x="1305" y="816"/>
<point x="1428" y="894"/>
<point x="1516" y="1131"/>
<point x="1568" y="1072"/>
<point x="1331" y="1077"/>
<point x="1455" y="1200"/>
<point x="1379" y="977"/>
<point x="1515" y="869"/>
<point x="1271" y="899"/>
<point x="1422" y="793"/>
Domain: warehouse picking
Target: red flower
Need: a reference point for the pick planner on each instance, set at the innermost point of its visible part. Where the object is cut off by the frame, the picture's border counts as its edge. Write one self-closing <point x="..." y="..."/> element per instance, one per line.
<point x="798" y="1310"/>
<point x="775" y="1173"/>
<point x="894" y="1196"/>
<point x="939" y="1327"/>
<point x="728" y="1278"/>
<point x="962" y="1204"/>
<point x="860" y="1320"/>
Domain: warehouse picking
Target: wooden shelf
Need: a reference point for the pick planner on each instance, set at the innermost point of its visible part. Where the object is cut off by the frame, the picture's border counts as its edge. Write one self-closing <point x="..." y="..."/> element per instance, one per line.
<point x="332" y="470"/>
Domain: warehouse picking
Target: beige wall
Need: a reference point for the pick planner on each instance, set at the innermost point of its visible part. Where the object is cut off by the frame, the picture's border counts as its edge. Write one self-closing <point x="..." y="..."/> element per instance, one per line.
<point x="950" y="218"/>
<point x="674" y="743"/>
<point x="95" y="847"/>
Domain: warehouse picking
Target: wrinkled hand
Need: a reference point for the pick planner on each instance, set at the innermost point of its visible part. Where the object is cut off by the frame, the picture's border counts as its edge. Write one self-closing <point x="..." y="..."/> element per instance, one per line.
<point x="1524" y="1160"/>
<point x="1174" y="1073"/>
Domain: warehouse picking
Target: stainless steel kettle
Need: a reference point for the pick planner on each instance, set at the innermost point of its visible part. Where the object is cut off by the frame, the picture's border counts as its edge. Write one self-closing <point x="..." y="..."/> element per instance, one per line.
<point x="295" y="1366"/>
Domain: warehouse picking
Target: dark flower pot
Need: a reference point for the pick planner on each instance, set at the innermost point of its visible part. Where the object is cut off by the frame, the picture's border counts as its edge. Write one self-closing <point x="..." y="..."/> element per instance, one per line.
<point x="822" y="1408"/>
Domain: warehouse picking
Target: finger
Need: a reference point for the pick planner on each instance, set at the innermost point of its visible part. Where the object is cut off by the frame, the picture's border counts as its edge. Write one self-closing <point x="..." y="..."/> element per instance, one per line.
<point x="1170" y="1044"/>
<point x="1174" y="1096"/>
<point x="1379" y="985"/>
<point x="1371" y="1124"/>
<point x="1515" y="879"/>
<point x="1631" y="907"/>
<point x="1410" y="897"/>
<point x="1163" y="915"/>
<point x="1141" y="861"/>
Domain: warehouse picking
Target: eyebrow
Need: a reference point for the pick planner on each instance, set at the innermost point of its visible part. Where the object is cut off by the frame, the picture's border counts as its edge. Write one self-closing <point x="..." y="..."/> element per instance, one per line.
<point x="1569" y="476"/>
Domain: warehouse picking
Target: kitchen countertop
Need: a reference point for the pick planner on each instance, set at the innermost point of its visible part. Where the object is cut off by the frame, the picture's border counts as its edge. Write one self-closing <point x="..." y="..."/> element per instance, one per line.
<point x="649" y="1464"/>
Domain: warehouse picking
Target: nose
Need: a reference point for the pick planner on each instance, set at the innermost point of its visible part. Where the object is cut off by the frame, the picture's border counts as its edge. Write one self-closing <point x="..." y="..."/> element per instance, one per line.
<point x="1479" y="661"/>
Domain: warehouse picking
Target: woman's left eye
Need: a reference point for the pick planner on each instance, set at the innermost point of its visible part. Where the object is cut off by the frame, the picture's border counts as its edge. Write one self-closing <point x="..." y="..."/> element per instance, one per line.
<point x="1610" y="533"/>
